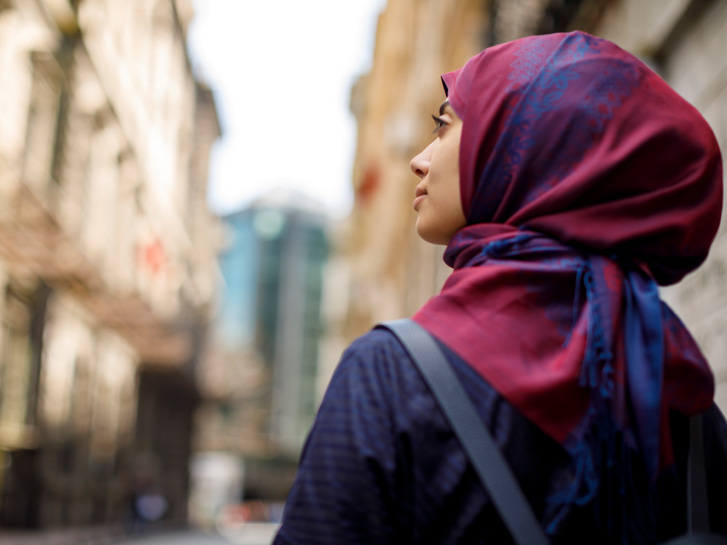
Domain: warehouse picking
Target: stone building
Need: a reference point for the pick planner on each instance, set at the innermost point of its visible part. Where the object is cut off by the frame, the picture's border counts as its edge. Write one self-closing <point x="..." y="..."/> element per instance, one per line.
<point x="107" y="268"/>
<point x="392" y="272"/>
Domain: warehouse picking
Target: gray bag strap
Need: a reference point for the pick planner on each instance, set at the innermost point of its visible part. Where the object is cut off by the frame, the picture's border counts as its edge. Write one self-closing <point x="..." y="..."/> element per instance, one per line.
<point x="697" y="504"/>
<point x="494" y="472"/>
<point x="698" y="532"/>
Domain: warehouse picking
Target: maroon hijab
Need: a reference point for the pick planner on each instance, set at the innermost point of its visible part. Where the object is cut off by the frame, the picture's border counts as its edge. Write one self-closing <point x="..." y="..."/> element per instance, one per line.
<point x="585" y="181"/>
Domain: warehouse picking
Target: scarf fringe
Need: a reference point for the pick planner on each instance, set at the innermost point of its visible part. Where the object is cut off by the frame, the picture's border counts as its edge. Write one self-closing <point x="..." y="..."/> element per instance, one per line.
<point x="607" y="474"/>
<point x="603" y="457"/>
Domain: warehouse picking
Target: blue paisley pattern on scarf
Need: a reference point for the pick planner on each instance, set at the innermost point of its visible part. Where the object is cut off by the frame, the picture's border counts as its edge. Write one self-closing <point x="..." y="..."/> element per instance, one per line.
<point x="542" y="82"/>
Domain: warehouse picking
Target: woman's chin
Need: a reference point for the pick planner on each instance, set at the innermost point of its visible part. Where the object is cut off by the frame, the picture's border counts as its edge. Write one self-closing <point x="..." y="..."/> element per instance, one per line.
<point x="432" y="236"/>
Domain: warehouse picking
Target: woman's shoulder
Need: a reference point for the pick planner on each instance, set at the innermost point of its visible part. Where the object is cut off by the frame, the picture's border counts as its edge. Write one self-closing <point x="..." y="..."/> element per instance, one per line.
<point x="379" y="339"/>
<point x="380" y="351"/>
<point x="377" y="349"/>
<point x="376" y="368"/>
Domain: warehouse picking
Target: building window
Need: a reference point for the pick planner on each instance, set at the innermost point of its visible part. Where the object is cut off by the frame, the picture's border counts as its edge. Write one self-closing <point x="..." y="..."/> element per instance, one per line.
<point x="43" y="116"/>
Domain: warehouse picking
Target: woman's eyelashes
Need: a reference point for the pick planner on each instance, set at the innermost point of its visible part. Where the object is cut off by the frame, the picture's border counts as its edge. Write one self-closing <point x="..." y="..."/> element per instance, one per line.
<point x="439" y="123"/>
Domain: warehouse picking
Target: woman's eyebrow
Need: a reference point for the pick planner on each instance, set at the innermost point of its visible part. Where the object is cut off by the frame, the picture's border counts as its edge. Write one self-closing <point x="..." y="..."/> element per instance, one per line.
<point x="443" y="106"/>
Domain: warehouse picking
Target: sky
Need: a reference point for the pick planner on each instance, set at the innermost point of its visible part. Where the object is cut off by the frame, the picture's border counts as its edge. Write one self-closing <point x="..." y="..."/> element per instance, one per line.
<point x="281" y="72"/>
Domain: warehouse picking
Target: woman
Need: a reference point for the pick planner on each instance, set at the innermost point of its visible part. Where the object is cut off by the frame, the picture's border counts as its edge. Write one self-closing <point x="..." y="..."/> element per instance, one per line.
<point x="567" y="180"/>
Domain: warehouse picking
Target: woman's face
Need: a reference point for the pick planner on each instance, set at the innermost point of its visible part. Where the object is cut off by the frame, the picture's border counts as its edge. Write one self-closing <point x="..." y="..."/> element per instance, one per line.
<point x="437" y="202"/>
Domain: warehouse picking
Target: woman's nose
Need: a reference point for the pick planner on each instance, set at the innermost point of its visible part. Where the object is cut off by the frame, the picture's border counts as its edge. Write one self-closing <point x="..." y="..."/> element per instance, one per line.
<point x="420" y="164"/>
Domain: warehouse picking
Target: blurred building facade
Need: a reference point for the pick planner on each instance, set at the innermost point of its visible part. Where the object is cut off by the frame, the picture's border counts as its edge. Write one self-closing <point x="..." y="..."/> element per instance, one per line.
<point x="392" y="272"/>
<point x="261" y="365"/>
<point x="107" y="269"/>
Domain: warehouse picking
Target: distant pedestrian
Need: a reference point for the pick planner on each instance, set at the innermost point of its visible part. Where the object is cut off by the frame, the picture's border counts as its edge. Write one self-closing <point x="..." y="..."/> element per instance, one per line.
<point x="567" y="181"/>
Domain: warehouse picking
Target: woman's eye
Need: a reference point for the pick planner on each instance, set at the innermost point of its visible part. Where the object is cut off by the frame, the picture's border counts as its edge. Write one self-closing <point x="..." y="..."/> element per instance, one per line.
<point x="438" y="123"/>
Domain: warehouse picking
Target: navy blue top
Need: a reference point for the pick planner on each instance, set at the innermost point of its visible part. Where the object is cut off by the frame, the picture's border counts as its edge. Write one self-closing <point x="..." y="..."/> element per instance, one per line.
<point x="382" y="465"/>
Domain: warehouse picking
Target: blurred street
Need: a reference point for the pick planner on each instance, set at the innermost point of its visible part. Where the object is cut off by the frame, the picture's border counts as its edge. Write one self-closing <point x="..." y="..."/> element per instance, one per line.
<point x="162" y="360"/>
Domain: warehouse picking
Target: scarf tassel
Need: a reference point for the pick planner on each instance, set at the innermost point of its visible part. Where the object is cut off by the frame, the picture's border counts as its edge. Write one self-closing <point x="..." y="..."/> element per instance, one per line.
<point x="603" y="469"/>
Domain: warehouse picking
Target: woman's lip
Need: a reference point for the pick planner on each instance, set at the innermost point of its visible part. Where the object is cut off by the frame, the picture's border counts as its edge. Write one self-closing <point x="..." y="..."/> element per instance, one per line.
<point x="418" y="201"/>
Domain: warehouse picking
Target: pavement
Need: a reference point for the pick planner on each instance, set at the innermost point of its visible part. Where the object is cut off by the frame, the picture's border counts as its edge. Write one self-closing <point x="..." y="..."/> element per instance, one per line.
<point x="250" y="534"/>
<point x="253" y="533"/>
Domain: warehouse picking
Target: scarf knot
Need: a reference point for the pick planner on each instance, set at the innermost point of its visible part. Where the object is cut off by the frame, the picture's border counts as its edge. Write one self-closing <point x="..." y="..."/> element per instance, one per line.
<point x="579" y="342"/>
